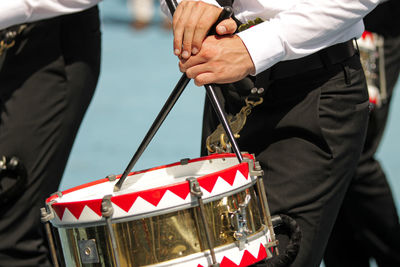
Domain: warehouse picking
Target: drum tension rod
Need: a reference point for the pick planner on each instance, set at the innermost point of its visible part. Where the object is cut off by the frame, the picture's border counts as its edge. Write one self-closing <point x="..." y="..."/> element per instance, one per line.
<point x="46" y="216"/>
<point x="107" y="211"/>
<point x="256" y="170"/>
<point x="196" y="192"/>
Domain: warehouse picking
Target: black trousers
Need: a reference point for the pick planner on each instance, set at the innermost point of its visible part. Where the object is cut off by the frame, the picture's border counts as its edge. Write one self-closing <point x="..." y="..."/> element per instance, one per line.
<point x="307" y="135"/>
<point x="368" y="223"/>
<point x="46" y="84"/>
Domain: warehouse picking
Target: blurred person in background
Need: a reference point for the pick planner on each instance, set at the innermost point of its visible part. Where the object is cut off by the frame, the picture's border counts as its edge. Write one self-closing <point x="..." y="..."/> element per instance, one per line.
<point x="143" y="13"/>
<point x="368" y="223"/>
<point x="49" y="67"/>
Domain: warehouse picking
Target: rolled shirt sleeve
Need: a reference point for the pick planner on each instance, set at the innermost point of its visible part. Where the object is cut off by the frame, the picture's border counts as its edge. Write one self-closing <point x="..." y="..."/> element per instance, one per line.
<point x="22" y="11"/>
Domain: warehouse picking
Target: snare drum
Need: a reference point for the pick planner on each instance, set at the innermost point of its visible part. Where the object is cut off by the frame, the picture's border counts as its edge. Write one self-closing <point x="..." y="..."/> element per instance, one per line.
<point x="155" y="219"/>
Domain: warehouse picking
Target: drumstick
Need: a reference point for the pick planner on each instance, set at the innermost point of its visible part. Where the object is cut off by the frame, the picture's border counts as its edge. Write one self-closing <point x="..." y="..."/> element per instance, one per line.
<point x="225" y="14"/>
<point x="181" y="85"/>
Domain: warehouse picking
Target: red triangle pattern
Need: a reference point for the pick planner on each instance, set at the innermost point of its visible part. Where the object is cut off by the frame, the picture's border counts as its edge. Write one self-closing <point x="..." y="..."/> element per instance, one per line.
<point x="229" y="176"/>
<point x="262" y="253"/>
<point x="125" y="202"/>
<point x="227" y="263"/>
<point x="59" y="210"/>
<point x="76" y="208"/>
<point x="199" y="265"/>
<point x="247" y="259"/>
<point x="152" y="196"/>
<point x="244" y="170"/>
<point x="181" y="190"/>
<point x="95" y="205"/>
<point x="208" y="181"/>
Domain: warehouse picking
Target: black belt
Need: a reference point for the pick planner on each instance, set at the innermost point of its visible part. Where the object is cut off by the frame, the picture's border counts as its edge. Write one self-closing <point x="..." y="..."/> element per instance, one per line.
<point x="323" y="59"/>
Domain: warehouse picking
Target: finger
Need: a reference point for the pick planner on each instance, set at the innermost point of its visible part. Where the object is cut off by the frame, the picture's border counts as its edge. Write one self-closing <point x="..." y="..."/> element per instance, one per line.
<point x="182" y="14"/>
<point x="185" y="64"/>
<point x="195" y="70"/>
<point x="182" y="65"/>
<point x="204" y="78"/>
<point x="177" y="30"/>
<point x="227" y="26"/>
<point x="190" y="27"/>
<point x="208" y="18"/>
<point x="209" y="77"/>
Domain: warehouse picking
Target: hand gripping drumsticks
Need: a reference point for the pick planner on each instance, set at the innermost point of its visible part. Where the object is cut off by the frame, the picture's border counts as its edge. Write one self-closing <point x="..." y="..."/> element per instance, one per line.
<point x="180" y="86"/>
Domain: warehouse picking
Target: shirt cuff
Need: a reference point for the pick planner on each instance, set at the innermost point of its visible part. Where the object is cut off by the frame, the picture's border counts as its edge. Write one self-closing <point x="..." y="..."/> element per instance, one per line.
<point x="264" y="46"/>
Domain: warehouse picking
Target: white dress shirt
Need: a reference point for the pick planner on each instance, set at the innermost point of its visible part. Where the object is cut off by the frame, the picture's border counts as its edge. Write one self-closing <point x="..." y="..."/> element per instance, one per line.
<point x="22" y="11"/>
<point x="296" y="28"/>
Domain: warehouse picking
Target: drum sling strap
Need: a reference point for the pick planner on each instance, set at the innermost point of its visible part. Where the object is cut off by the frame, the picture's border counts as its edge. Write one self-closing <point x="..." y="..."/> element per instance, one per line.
<point x="217" y="142"/>
<point x="13" y="179"/>
<point x="7" y="40"/>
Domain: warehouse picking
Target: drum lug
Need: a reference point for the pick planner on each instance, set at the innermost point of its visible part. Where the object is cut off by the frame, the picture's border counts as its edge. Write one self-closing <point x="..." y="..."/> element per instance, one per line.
<point x="194" y="187"/>
<point x="88" y="251"/>
<point x="195" y="190"/>
<point x="47" y="214"/>
<point x="107" y="209"/>
<point x="254" y="167"/>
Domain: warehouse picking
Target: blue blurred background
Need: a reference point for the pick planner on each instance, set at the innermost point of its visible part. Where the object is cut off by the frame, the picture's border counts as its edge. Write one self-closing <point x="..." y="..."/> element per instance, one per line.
<point x="138" y="73"/>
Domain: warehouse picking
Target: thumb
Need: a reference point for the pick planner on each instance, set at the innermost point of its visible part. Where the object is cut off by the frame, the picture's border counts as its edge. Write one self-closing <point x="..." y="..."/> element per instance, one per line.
<point x="226" y="27"/>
